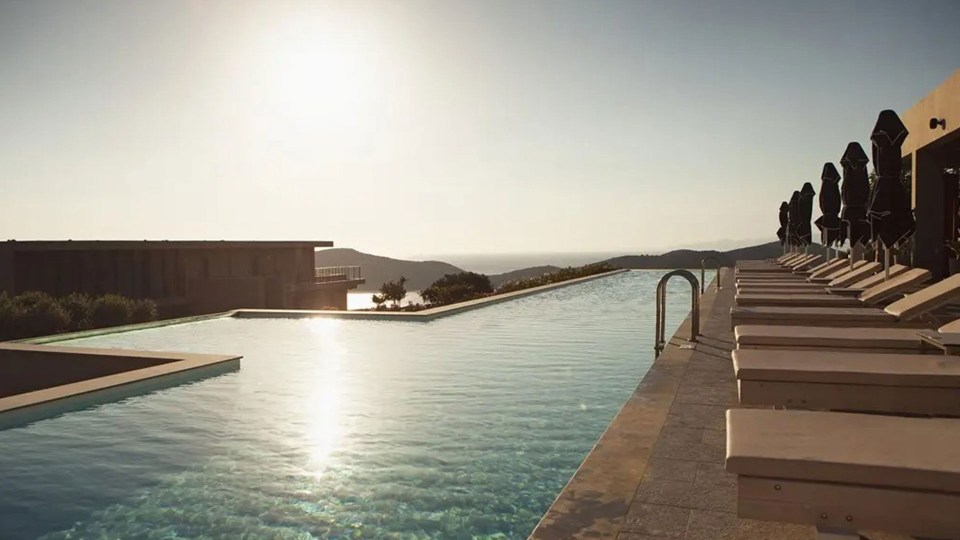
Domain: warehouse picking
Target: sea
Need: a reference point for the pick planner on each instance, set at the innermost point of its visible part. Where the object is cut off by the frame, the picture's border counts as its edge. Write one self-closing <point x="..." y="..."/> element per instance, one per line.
<point x="488" y="263"/>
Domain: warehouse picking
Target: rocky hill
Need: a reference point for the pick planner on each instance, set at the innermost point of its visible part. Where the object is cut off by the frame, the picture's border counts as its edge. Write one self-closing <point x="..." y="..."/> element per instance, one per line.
<point x="420" y="274"/>
<point x="686" y="258"/>
<point x="378" y="270"/>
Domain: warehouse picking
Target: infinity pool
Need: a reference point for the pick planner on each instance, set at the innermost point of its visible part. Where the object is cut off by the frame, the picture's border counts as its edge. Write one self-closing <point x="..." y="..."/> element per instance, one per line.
<point x="464" y="427"/>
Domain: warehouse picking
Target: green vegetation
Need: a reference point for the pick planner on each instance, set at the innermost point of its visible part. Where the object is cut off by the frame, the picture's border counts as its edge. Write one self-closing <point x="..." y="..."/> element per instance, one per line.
<point x="391" y="291"/>
<point x="464" y="286"/>
<point x="32" y="314"/>
<point x="563" y="274"/>
<point x="453" y="288"/>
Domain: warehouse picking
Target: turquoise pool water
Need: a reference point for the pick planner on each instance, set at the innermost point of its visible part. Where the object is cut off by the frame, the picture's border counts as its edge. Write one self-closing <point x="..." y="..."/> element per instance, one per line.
<point x="465" y="427"/>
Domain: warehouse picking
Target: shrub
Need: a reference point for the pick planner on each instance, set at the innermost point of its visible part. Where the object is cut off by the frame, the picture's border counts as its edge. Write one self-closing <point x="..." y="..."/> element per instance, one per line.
<point x="77" y="305"/>
<point x="110" y="310"/>
<point x="563" y="274"/>
<point x="144" y="310"/>
<point x="35" y="314"/>
<point x="453" y="288"/>
<point x="393" y="291"/>
<point x="6" y="315"/>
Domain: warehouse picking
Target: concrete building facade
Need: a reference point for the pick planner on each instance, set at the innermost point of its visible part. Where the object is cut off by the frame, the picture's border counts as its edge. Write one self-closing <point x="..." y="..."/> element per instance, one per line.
<point x="932" y="154"/>
<point x="184" y="278"/>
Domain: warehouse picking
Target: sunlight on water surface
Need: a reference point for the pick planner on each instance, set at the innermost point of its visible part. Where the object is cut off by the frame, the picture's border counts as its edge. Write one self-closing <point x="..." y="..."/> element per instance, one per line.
<point x="465" y="427"/>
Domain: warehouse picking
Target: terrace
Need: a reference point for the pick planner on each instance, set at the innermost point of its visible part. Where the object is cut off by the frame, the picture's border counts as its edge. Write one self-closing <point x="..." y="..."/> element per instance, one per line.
<point x="658" y="471"/>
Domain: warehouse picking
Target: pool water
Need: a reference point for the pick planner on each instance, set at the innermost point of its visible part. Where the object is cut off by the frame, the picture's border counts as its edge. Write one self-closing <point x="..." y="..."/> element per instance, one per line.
<point x="464" y="427"/>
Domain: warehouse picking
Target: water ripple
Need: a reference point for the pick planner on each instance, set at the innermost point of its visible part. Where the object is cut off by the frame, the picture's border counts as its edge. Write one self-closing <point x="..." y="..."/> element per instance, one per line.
<point x="465" y="427"/>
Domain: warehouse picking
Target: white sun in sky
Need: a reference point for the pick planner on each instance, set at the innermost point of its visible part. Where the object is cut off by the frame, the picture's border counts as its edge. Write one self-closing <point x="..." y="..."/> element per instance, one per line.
<point x="321" y="68"/>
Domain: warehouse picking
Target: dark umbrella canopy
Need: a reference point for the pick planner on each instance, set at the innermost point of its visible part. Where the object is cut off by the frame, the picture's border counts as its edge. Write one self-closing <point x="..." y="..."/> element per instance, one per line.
<point x="855" y="194"/>
<point x="793" y="219"/>
<point x="806" y="213"/>
<point x="891" y="217"/>
<point x="829" y="221"/>
<point x="782" y="231"/>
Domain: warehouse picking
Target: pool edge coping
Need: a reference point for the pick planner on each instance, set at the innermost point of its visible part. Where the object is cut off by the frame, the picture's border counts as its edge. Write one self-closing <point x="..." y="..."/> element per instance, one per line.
<point x="173" y="364"/>
<point x="196" y="364"/>
<point x="576" y="511"/>
<point x="412" y="316"/>
<point x="425" y="315"/>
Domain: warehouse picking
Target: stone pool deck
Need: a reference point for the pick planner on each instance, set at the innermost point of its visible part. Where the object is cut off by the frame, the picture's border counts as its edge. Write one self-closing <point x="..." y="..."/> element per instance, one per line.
<point x="658" y="471"/>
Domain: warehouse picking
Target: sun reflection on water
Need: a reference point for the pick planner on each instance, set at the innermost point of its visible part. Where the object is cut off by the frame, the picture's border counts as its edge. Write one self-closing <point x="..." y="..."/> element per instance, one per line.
<point x="324" y="432"/>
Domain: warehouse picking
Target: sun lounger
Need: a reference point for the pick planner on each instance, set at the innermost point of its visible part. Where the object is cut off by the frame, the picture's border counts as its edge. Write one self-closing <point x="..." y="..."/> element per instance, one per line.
<point x="757" y="266"/>
<point x="834" y="287"/>
<point x="817" y="310"/>
<point x="829" y="274"/>
<point x="807" y="263"/>
<point x="798" y="260"/>
<point x="796" y="276"/>
<point x="749" y="266"/>
<point x="922" y="384"/>
<point x="859" y="274"/>
<point x="873" y="280"/>
<point x="801" y="261"/>
<point x="845" y="472"/>
<point x="876" y="338"/>
<point x="824" y="264"/>
<point x="868" y="335"/>
<point x="794" y="299"/>
<point x="826" y="274"/>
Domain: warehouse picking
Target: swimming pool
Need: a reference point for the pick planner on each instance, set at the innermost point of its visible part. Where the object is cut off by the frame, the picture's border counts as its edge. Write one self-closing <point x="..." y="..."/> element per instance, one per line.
<point x="464" y="427"/>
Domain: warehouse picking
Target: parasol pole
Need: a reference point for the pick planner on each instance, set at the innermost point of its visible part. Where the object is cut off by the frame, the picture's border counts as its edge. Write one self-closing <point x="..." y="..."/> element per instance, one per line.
<point x="886" y="263"/>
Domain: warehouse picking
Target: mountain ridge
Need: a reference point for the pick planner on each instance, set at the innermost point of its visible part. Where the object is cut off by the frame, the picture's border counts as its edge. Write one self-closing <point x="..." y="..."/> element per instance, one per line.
<point x="420" y="274"/>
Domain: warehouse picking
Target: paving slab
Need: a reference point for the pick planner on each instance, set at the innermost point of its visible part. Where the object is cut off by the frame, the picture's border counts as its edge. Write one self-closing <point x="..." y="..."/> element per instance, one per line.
<point x="658" y="471"/>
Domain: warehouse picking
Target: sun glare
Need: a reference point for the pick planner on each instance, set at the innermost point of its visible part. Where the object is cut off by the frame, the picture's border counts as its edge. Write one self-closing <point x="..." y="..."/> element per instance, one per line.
<point x="324" y="416"/>
<point x="321" y="70"/>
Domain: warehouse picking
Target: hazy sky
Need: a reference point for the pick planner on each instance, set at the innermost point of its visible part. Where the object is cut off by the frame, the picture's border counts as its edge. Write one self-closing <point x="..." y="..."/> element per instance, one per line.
<point x="415" y="127"/>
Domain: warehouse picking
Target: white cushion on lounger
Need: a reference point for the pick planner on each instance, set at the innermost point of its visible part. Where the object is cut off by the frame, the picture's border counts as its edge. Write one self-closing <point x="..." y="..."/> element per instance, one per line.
<point x="834" y="273"/>
<point x="927" y="299"/>
<point x="896" y="285"/>
<point x="880" y="277"/>
<point x="750" y="335"/>
<point x="928" y="370"/>
<point x="856" y="275"/>
<point x="796" y="300"/>
<point x="846" y="448"/>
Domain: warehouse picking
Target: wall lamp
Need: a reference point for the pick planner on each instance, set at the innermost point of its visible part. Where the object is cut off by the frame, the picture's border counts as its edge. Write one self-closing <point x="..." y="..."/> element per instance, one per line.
<point x="934" y="122"/>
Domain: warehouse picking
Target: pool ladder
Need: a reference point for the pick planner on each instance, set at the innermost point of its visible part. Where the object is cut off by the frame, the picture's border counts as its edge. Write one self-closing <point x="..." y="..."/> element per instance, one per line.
<point x="659" y="341"/>
<point x="659" y="338"/>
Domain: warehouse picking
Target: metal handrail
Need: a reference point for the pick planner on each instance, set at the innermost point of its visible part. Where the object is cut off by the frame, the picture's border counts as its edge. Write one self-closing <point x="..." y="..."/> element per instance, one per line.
<point x="703" y="281"/>
<point x="337" y="273"/>
<point x="659" y="342"/>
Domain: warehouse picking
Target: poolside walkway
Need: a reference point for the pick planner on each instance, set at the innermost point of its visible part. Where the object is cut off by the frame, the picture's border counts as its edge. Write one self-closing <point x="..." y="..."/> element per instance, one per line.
<point x="658" y="471"/>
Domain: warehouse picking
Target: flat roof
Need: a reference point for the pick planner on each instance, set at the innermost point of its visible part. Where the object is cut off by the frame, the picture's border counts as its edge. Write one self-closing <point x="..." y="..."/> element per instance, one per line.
<point x="942" y="103"/>
<point x="83" y="245"/>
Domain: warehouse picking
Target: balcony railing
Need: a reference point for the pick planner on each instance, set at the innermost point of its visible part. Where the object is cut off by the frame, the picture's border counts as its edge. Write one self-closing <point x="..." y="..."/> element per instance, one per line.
<point x="337" y="273"/>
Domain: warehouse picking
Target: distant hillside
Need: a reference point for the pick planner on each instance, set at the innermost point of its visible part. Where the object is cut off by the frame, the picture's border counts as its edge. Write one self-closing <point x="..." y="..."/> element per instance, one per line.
<point x="378" y="270"/>
<point x="686" y="258"/>
<point x="533" y="271"/>
<point x="420" y="274"/>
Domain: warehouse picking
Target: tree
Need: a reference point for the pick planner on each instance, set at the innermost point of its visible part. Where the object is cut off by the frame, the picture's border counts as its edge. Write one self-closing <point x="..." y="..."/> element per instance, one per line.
<point x="394" y="291"/>
<point x="378" y="300"/>
<point x="453" y="288"/>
